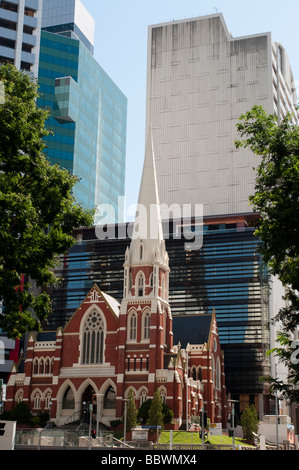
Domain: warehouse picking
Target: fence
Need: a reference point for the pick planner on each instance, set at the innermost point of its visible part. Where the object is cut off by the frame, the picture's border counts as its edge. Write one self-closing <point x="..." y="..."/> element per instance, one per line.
<point x="63" y="438"/>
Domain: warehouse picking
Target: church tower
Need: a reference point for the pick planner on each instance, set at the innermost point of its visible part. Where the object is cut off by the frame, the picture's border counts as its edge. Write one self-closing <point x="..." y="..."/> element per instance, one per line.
<point x="145" y="316"/>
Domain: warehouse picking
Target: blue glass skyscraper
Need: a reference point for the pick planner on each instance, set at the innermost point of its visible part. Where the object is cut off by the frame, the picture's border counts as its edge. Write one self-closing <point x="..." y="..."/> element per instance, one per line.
<point x="89" y="112"/>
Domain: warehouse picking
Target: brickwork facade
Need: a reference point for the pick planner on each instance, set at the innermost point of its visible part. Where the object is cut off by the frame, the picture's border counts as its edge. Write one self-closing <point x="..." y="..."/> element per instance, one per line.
<point x="103" y="352"/>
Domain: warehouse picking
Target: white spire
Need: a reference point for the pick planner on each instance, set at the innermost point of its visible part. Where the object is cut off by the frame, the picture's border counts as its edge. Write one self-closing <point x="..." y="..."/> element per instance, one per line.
<point x="147" y="238"/>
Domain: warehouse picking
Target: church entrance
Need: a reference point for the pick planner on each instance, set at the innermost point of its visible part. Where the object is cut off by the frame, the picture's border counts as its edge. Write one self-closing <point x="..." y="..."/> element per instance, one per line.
<point x="88" y="398"/>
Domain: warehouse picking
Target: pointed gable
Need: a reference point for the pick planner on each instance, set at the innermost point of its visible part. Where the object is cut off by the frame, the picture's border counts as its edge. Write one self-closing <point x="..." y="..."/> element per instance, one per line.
<point x="94" y="297"/>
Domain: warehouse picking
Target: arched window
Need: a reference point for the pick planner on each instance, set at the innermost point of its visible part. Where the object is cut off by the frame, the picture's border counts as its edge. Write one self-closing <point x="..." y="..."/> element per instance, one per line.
<point x="141" y="251"/>
<point x="218" y="374"/>
<point x="68" y="401"/>
<point x="48" y="401"/>
<point x="163" y="288"/>
<point x="140" y="285"/>
<point x="35" y="367"/>
<point x="143" y="397"/>
<point x="213" y="371"/>
<point x="47" y="366"/>
<point x="37" y="401"/>
<point x="41" y="367"/>
<point x="163" y="396"/>
<point x="110" y="399"/>
<point x="146" y="323"/>
<point x="19" y="396"/>
<point x="132" y="326"/>
<point x="93" y="339"/>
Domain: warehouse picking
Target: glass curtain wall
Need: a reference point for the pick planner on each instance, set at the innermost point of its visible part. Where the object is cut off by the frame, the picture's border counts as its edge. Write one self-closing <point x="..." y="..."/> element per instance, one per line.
<point x="88" y="120"/>
<point x="226" y="274"/>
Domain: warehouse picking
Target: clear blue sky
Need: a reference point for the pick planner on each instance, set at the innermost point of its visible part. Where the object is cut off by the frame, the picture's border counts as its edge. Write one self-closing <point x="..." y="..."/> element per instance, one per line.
<point x="121" y="49"/>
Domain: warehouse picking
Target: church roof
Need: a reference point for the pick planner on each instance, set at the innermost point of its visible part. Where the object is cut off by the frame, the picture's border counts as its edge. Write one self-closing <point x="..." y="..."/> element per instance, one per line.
<point x="112" y="302"/>
<point x="192" y="329"/>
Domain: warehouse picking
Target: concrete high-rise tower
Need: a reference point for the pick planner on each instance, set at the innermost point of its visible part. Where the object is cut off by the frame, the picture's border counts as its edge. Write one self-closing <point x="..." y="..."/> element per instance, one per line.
<point x="200" y="80"/>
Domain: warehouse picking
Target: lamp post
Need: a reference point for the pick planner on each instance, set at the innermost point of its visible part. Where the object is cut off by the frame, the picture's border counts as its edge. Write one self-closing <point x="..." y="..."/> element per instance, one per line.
<point x="84" y="411"/>
<point x="202" y="428"/>
<point x="233" y="420"/>
<point x="276" y="411"/>
<point x="98" y="411"/>
<point x="187" y="389"/>
<point x="90" y="422"/>
<point x="125" y="420"/>
<point x="50" y="408"/>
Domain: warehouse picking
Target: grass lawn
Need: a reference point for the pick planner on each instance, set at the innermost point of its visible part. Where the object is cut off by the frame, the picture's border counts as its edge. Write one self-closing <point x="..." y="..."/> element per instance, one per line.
<point x="183" y="437"/>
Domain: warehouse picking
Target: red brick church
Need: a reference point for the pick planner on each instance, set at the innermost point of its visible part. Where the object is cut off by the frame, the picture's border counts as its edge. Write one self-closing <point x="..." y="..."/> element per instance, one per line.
<point x="109" y="348"/>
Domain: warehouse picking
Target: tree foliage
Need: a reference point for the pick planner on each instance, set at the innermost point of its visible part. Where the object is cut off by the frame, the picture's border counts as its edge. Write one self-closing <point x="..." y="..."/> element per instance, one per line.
<point x="143" y="412"/>
<point x="132" y="411"/>
<point x="276" y="200"/>
<point x="155" y="413"/>
<point x="37" y="209"/>
<point x="249" y="422"/>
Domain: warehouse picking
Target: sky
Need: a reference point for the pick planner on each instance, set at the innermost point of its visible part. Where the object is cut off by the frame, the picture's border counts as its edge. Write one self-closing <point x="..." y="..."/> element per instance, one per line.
<point x="121" y="29"/>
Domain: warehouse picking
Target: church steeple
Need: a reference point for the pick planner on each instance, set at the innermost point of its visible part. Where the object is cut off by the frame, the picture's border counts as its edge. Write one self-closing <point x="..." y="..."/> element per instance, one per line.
<point x="145" y="315"/>
<point x="148" y="245"/>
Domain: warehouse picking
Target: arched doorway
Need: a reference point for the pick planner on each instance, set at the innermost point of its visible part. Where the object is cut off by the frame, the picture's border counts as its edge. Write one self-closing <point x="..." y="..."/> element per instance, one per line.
<point x="88" y="398"/>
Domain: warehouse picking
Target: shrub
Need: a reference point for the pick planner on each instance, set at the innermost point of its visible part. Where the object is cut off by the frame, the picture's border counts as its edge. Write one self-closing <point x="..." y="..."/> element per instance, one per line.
<point x="21" y="413"/>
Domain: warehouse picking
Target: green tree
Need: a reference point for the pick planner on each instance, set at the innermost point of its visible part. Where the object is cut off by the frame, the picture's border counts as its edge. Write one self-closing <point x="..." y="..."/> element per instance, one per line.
<point x="132" y="411"/>
<point x="155" y="413"/>
<point x="21" y="413"/>
<point x="143" y="412"/>
<point x="276" y="200"/>
<point x="38" y="211"/>
<point x="249" y="422"/>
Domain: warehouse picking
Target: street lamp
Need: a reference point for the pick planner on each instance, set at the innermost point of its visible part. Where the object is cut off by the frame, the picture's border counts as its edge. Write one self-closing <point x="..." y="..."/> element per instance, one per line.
<point x="276" y="411"/>
<point x="50" y="408"/>
<point x="233" y="420"/>
<point x="98" y="411"/>
<point x="125" y="420"/>
<point x="90" y="423"/>
<point x="84" y="411"/>
<point x="187" y="389"/>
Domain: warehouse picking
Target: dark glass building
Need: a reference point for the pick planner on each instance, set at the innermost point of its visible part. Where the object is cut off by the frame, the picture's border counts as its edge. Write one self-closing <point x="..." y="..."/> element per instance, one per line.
<point x="225" y="274"/>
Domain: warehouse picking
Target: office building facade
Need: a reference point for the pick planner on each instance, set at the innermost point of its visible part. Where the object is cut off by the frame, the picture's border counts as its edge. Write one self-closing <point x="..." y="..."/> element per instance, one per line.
<point x="89" y="110"/>
<point x="199" y="81"/>
<point x="20" y="26"/>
